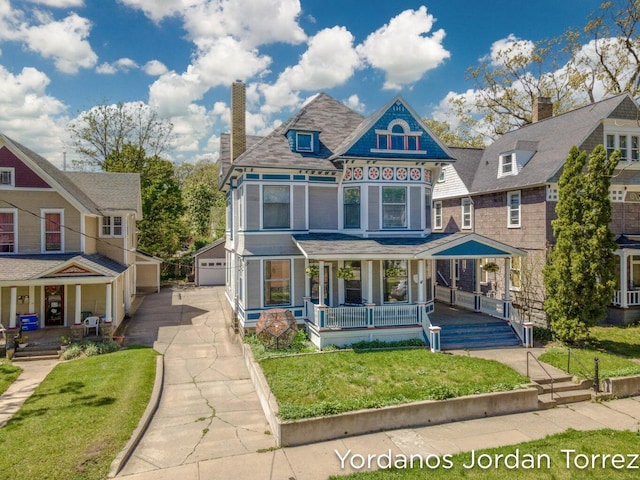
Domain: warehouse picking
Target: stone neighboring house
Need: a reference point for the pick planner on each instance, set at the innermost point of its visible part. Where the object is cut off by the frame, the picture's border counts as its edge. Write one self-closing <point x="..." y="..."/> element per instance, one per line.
<point x="330" y="217"/>
<point x="508" y="192"/>
<point x="67" y="242"/>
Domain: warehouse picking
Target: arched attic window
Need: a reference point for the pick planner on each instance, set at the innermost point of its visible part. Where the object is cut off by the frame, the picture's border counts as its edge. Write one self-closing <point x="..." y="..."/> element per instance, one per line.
<point x="398" y="136"/>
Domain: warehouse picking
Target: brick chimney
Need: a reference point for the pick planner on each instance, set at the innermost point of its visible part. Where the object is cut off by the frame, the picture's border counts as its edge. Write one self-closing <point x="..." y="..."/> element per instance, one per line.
<point x="238" y="130"/>
<point x="542" y="108"/>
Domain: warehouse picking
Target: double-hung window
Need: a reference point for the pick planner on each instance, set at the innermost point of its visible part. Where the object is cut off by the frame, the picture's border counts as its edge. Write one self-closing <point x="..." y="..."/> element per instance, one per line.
<point x="8" y="230"/>
<point x="277" y="282"/>
<point x="513" y="209"/>
<point x="467" y="214"/>
<point x="507" y="164"/>
<point x="276" y="206"/>
<point x="112" y="226"/>
<point x="437" y="215"/>
<point x="7" y="177"/>
<point x="52" y="230"/>
<point x="629" y="146"/>
<point x="427" y="209"/>
<point x="352" y="207"/>
<point x="394" y="207"/>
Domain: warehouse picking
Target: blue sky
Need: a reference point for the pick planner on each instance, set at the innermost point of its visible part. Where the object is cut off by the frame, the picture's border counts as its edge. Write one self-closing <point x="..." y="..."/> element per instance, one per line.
<point x="60" y="57"/>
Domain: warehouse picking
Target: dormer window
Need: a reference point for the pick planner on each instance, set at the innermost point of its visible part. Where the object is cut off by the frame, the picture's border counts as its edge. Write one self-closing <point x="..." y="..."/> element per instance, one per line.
<point x="7" y="178"/>
<point x="629" y="146"/>
<point x="304" y="142"/>
<point x="507" y="165"/>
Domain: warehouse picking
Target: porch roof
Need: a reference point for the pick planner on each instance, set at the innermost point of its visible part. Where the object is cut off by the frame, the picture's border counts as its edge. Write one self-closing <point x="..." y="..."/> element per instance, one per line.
<point x="18" y="269"/>
<point x="631" y="242"/>
<point x="337" y="246"/>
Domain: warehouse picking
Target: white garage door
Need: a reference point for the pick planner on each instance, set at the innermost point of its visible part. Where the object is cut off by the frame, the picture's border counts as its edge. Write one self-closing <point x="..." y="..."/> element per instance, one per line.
<point x="211" y="271"/>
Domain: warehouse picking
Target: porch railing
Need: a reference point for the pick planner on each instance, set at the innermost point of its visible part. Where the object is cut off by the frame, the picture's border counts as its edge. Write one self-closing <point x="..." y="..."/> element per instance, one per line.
<point x="517" y="324"/>
<point x="365" y="317"/>
<point x="443" y="294"/>
<point x="466" y="299"/>
<point x="492" y="306"/>
<point x="395" y="315"/>
<point x="346" y="317"/>
<point x="633" y="298"/>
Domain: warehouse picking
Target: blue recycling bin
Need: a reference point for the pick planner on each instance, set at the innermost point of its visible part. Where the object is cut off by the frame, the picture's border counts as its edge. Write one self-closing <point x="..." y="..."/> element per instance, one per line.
<point x="28" y="321"/>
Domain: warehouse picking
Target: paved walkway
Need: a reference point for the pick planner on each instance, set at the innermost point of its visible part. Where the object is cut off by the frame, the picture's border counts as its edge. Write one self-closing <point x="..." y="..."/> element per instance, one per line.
<point x="209" y="423"/>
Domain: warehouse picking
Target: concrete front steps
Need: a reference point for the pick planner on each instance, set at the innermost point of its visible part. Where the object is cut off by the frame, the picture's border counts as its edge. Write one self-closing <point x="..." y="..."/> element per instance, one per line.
<point x="489" y="334"/>
<point x="37" y="352"/>
<point x="565" y="390"/>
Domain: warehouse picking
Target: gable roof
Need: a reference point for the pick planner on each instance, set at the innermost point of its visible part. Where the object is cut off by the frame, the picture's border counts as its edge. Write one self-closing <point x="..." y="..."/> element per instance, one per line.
<point x="110" y="191"/>
<point x="552" y="139"/>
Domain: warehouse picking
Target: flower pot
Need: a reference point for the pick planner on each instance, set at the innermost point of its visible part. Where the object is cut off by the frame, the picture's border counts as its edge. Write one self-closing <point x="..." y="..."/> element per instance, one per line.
<point x="119" y="339"/>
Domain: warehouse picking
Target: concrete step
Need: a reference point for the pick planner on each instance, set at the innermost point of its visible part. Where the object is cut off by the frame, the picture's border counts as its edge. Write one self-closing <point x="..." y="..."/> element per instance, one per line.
<point x="31" y="358"/>
<point x="545" y="380"/>
<point x="566" y="386"/>
<point x="562" y="398"/>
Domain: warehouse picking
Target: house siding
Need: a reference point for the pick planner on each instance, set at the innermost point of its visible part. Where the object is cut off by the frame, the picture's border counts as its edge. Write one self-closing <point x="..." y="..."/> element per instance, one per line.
<point x="252" y="207"/>
<point x="24" y="176"/>
<point x="323" y="208"/>
<point x="299" y="207"/>
<point x="373" y="207"/>
<point x="415" y="208"/>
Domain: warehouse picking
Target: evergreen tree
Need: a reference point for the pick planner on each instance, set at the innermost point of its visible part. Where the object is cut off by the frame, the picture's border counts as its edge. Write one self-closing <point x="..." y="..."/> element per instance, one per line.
<point x="580" y="276"/>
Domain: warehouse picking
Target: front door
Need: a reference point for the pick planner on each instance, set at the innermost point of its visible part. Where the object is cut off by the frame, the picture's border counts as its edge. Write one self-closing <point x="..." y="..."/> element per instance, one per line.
<point x="315" y="286"/>
<point x="53" y="305"/>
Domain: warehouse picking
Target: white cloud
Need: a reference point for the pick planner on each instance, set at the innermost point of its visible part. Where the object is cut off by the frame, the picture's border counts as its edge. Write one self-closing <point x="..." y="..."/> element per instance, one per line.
<point x="354" y="103"/>
<point x="403" y="50"/>
<point x="29" y="115"/>
<point x="155" y="68"/>
<point x="121" y="65"/>
<point x="157" y="10"/>
<point x="59" y="3"/>
<point x="508" y="48"/>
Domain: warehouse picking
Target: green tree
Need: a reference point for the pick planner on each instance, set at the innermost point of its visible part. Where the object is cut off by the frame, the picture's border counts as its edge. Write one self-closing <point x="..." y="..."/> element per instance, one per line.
<point x="462" y="137"/>
<point x="580" y="275"/>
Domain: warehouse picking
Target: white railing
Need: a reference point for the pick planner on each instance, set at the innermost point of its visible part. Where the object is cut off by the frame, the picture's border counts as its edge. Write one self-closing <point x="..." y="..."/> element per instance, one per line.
<point x="492" y="306"/>
<point x="516" y="323"/>
<point x="443" y="294"/>
<point x="633" y="298"/>
<point x="395" y="315"/>
<point x="346" y="317"/>
<point x="466" y="299"/>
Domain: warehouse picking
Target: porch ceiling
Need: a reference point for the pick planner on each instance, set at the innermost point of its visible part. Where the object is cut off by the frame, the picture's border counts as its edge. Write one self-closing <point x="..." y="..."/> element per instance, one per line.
<point x="336" y="246"/>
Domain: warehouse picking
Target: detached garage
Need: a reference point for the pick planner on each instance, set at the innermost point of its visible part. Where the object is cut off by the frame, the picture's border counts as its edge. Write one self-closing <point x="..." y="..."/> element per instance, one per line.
<point x="210" y="264"/>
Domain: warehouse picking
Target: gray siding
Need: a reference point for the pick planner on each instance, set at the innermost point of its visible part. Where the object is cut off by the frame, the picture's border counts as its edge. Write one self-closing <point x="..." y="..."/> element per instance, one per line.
<point x="415" y="208"/>
<point x="253" y="207"/>
<point x="373" y="208"/>
<point x="253" y="280"/>
<point x="299" y="208"/>
<point x="299" y="280"/>
<point x="323" y="208"/>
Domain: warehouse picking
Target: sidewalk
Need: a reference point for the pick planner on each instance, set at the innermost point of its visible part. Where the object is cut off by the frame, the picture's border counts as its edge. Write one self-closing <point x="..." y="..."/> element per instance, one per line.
<point x="209" y="423"/>
<point x="33" y="372"/>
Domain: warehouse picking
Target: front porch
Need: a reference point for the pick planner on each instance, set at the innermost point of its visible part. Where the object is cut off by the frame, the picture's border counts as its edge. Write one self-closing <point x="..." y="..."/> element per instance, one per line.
<point x="625" y="305"/>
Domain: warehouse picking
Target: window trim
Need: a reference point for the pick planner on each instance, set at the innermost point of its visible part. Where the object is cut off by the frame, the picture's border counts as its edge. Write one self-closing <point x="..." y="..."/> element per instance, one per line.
<point x="382" y="209"/>
<point x="466" y="202"/>
<point x="12" y="172"/>
<point x="511" y="194"/>
<point x="14" y="211"/>
<point x="517" y="271"/>
<point x="512" y="164"/>
<point x="264" y="282"/>
<point x="112" y="226"/>
<point x="262" y="205"/>
<point x="311" y="141"/>
<point x="344" y="205"/>
<point x="437" y="215"/>
<point x="628" y="151"/>
<point x="43" y="233"/>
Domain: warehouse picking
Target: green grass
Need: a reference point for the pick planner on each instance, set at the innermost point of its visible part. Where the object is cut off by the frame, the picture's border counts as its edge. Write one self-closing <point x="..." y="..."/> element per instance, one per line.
<point x="79" y="418"/>
<point x="8" y="374"/>
<point x="619" y="340"/>
<point x="584" y="443"/>
<point x="582" y="362"/>
<point x="325" y="384"/>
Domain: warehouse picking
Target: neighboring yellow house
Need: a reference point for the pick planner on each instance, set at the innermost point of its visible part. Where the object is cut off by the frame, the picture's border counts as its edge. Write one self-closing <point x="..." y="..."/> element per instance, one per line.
<point x="67" y="242"/>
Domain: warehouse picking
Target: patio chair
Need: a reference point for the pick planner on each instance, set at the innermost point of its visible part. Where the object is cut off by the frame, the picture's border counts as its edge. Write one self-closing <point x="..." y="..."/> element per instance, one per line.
<point x="91" y="322"/>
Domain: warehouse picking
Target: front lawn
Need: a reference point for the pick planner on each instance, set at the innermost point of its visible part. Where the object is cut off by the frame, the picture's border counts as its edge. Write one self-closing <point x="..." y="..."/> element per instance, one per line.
<point x="620" y="340"/>
<point x="588" y="447"/>
<point x="8" y="374"/>
<point x="325" y="384"/>
<point x="582" y="362"/>
<point x="79" y="418"/>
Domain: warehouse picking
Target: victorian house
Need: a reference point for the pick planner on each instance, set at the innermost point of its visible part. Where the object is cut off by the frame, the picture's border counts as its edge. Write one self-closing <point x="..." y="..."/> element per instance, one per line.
<point x="330" y="217"/>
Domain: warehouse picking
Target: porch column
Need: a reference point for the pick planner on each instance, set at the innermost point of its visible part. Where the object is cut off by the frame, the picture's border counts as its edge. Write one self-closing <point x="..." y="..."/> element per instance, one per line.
<point x="341" y="292"/>
<point x="421" y="282"/>
<point x="13" y="303"/>
<point x="32" y="299"/>
<point x="321" y="281"/>
<point x="434" y="278"/>
<point x="78" y="313"/>
<point x="623" y="280"/>
<point x="476" y="289"/>
<point x="507" y="278"/>
<point x="370" y="281"/>
<point x="108" y="303"/>
<point x="307" y="283"/>
<point x="452" y="273"/>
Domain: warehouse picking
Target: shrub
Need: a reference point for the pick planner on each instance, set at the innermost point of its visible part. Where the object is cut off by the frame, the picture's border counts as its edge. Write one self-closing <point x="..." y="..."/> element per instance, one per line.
<point x="89" y="349"/>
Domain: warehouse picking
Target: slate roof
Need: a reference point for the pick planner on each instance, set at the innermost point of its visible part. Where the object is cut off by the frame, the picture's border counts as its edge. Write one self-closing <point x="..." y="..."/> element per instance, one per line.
<point x="110" y="191"/>
<point x="552" y="139"/>
<point x="225" y="152"/>
<point x="28" y="267"/>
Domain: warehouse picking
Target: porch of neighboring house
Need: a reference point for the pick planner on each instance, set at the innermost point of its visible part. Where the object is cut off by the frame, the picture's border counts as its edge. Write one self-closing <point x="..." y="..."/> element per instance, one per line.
<point x="625" y="307"/>
<point x="457" y="320"/>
